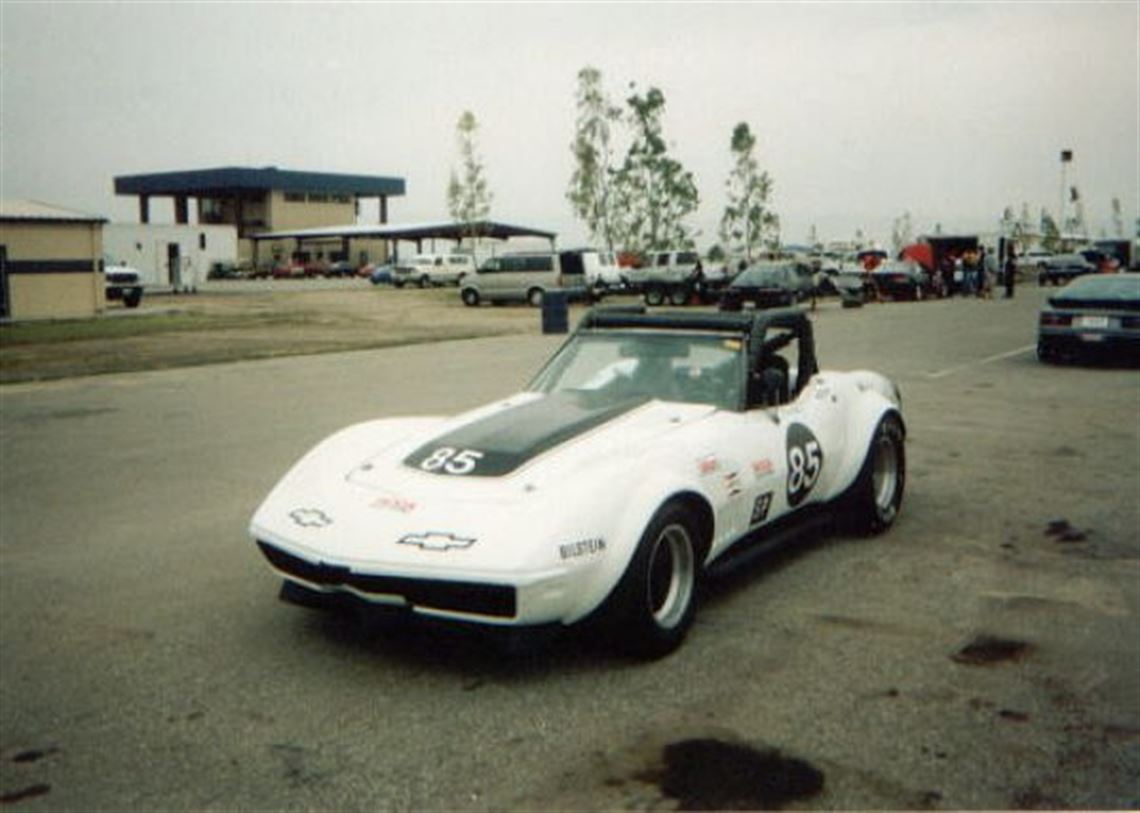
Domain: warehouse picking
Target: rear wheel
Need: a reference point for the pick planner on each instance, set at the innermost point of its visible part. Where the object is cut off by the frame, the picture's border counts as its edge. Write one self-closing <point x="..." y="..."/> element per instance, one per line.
<point x="679" y="296"/>
<point x="424" y="282"/>
<point x="652" y="607"/>
<point x="654" y="295"/>
<point x="534" y="297"/>
<point x="873" y="502"/>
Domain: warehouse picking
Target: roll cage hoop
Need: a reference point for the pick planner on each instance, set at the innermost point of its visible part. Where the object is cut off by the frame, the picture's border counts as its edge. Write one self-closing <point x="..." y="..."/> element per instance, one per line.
<point x="763" y="331"/>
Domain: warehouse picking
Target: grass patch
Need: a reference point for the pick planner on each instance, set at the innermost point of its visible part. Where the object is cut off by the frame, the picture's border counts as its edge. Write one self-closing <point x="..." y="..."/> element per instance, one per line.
<point x="80" y="330"/>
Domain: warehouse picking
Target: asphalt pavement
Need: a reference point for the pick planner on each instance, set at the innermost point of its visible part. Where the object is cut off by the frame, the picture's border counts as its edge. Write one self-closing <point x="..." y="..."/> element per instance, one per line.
<point x="982" y="654"/>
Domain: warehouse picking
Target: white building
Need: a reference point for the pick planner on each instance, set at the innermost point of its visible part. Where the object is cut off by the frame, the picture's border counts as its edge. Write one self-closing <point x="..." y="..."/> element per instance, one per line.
<point x="172" y="255"/>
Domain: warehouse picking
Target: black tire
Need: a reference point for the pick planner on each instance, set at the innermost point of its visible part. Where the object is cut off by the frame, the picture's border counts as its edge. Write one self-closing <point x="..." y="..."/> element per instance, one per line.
<point x="654" y="295"/>
<point x="919" y="294"/>
<point x="1047" y="353"/>
<point x="470" y="297"/>
<point x="398" y="283"/>
<point x="679" y="296"/>
<point x="132" y="297"/>
<point x="534" y="297"/>
<point x="874" y="500"/>
<point x="424" y="282"/>
<point x="653" y="606"/>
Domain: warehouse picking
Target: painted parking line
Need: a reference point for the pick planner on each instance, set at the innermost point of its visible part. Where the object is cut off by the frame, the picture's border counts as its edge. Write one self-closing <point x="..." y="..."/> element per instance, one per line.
<point x="987" y="360"/>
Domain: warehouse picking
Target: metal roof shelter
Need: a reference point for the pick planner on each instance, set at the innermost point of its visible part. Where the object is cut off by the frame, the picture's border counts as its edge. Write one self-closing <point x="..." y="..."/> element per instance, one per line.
<point x="413" y="232"/>
<point x="34" y="211"/>
<point x="250" y="183"/>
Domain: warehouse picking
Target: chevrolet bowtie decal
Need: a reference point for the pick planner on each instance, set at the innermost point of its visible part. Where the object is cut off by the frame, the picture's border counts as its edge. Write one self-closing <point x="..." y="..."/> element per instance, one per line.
<point x="310" y="518"/>
<point x="436" y="540"/>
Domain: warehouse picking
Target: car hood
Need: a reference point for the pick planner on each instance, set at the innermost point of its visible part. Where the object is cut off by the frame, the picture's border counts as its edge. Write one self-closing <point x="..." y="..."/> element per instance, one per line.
<point x="380" y="490"/>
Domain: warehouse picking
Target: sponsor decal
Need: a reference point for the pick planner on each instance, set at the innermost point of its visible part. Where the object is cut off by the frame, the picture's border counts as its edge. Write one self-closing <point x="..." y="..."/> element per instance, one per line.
<point x="389" y="503"/>
<point x="310" y="518"/>
<point x="760" y="508"/>
<point x="584" y="547"/>
<point x="708" y="464"/>
<point x="437" y="540"/>
<point x="763" y="467"/>
<point x="805" y="462"/>
<point x="732" y="483"/>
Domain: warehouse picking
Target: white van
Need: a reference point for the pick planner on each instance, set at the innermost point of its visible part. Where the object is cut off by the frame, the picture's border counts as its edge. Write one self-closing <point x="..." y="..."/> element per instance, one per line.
<point x="599" y="267"/>
<point x="425" y="270"/>
<point x="522" y="277"/>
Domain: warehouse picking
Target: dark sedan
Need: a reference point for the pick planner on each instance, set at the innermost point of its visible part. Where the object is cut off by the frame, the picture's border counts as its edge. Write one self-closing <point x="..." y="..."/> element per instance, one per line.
<point x="902" y="280"/>
<point x="1095" y="314"/>
<point x="768" y="286"/>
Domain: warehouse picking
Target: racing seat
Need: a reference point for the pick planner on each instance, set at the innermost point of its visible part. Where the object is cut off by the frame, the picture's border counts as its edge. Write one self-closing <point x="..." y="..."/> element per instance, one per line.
<point x="770" y="382"/>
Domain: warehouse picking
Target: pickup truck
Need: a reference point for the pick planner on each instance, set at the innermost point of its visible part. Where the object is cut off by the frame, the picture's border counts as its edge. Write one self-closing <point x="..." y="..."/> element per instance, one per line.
<point x="124" y="283"/>
<point x="672" y="276"/>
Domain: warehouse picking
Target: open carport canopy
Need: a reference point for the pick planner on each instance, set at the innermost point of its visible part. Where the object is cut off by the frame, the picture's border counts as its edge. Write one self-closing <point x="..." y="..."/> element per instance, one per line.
<point x="413" y="231"/>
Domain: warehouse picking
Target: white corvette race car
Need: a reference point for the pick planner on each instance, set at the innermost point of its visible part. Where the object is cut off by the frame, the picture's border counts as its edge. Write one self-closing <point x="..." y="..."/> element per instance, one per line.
<point x="649" y="448"/>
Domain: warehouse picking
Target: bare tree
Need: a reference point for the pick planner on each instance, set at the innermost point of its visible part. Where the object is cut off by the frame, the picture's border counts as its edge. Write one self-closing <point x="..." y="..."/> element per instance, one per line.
<point x="468" y="196"/>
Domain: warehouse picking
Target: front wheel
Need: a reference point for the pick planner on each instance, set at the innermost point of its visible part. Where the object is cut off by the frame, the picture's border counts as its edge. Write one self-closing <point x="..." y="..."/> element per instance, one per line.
<point x="679" y="296"/>
<point x="470" y="297"/>
<point x="654" y="295"/>
<point x="534" y="297"/>
<point x="652" y="607"/>
<point x="424" y="282"/>
<point x="874" y="501"/>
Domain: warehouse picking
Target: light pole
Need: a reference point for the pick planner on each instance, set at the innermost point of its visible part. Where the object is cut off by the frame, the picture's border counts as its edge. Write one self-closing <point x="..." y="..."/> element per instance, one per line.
<point x="1066" y="157"/>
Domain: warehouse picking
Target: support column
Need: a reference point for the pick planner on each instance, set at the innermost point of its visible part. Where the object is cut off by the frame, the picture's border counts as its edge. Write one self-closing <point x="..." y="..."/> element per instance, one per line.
<point x="144" y="208"/>
<point x="383" y="209"/>
<point x="181" y="210"/>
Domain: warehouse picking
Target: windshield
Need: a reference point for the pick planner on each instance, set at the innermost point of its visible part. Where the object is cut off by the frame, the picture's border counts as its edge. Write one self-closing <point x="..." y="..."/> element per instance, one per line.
<point x="757" y="276"/>
<point x="687" y="368"/>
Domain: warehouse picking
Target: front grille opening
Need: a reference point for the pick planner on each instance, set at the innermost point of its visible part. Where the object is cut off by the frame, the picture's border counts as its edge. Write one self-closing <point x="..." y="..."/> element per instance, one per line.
<point x="495" y="600"/>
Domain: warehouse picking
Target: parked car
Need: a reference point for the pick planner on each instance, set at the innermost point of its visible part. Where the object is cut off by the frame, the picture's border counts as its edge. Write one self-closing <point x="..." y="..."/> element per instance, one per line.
<point x="427" y="270"/>
<point x="227" y="270"/>
<point x="663" y="268"/>
<point x="599" y="268"/>
<point x="1062" y="268"/>
<point x="1096" y="314"/>
<point x="341" y="268"/>
<point x="288" y="269"/>
<point x="902" y="279"/>
<point x="769" y="285"/>
<point x="522" y="277"/>
<point x="382" y="274"/>
<point x="523" y="512"/>
<point x="124" y="284"/>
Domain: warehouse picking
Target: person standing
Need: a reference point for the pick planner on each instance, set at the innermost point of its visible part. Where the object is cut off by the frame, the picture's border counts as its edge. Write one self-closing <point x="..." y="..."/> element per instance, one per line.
<point x="1010" y="271"/>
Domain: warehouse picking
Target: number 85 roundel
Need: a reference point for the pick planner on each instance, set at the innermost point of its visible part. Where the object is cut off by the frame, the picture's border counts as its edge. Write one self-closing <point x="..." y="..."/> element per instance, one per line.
<point x="805" y="462"/>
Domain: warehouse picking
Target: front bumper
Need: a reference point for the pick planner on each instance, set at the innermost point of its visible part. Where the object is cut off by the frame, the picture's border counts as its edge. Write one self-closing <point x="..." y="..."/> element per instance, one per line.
<point x="523" y="600"/>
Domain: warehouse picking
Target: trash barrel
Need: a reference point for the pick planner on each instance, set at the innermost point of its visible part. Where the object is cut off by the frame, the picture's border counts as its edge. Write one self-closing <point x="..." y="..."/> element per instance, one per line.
<point x="555" y="312"/>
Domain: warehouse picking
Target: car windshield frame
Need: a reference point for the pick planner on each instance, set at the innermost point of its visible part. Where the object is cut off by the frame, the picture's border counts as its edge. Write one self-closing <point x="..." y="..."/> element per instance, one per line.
<point x="701" y="368"/>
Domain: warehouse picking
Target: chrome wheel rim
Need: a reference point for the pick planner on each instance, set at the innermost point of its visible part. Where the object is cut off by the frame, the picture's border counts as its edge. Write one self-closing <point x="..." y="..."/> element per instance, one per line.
<point x="885" y="476"/>
<point x="669" y="586"/>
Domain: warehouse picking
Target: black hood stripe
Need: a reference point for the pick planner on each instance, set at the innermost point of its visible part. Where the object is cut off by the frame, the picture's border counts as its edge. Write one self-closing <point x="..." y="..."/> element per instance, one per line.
<point x="506" y="440"/>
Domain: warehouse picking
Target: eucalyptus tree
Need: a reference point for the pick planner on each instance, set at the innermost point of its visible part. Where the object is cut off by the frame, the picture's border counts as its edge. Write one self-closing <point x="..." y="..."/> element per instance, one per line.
<point x="468" y="195"/>
<point x="655" y="193"/>
<point x="747" y="221"/>
<point x="593" y="190"/>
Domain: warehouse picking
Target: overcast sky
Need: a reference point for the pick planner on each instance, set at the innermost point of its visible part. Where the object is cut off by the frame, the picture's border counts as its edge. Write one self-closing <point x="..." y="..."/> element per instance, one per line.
<point x="950" y="111"/>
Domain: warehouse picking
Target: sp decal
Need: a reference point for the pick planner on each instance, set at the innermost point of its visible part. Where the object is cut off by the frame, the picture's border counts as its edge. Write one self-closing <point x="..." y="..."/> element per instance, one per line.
<point x="760" y="508"/>
<point x="437" y="540"/>
<point x="310" y="518"/>
<point x="805" y="462"/>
